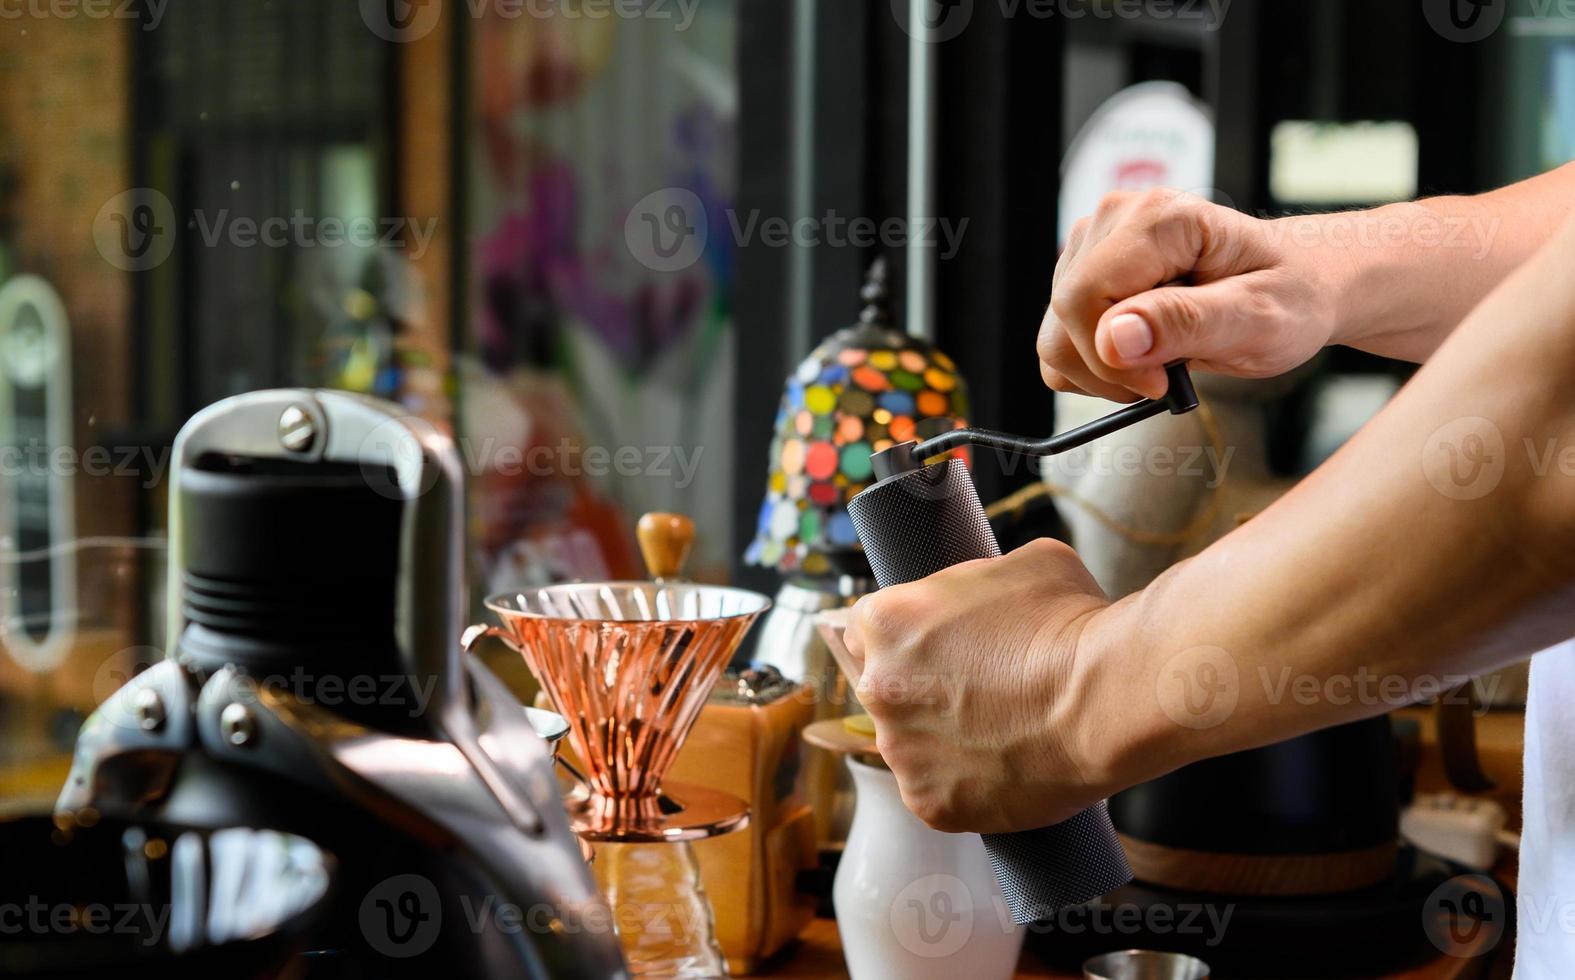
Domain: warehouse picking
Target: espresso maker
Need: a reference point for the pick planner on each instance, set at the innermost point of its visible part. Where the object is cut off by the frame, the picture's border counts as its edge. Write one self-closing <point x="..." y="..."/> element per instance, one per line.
<point x="316" y="686"/>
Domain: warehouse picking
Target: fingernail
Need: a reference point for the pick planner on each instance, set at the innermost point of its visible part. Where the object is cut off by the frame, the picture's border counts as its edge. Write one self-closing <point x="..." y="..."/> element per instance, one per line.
<point x="1131" y="335"/>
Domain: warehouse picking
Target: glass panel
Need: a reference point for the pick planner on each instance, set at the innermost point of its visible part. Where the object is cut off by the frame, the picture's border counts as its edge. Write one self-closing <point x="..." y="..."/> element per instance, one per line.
<point x="199" y="199"/>
<point x="601" y="278"/>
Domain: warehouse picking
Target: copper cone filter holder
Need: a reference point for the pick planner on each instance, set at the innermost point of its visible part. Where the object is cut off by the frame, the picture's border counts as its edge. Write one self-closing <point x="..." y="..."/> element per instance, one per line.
<point x="629" y="665"/>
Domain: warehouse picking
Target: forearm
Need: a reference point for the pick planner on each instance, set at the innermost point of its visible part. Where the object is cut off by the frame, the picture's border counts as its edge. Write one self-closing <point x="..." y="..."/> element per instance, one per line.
<point x="1384" y="566"/>
<point x="1406" y="274"/>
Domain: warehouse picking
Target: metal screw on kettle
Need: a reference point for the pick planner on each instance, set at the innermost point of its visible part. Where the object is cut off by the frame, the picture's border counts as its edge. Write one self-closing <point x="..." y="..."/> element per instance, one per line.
<point x="148" y="709"/>
<point x="297" y="431"/>
<point x="237" y="725"/>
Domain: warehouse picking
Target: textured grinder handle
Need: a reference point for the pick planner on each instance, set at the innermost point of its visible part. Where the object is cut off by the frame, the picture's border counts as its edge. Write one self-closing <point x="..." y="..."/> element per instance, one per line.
<point x="913" y="525"/>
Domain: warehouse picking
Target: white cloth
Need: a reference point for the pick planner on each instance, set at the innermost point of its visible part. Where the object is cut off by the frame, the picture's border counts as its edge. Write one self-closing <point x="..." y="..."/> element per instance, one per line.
<point x="1545" y="895"/>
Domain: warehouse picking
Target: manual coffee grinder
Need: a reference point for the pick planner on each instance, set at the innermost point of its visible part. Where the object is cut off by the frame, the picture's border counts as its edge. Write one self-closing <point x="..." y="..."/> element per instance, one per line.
<point x="918" y="519"/>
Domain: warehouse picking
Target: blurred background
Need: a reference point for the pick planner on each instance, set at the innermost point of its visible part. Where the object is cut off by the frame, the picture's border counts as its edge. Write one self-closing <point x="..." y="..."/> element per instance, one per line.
<point x="593" y="237"/>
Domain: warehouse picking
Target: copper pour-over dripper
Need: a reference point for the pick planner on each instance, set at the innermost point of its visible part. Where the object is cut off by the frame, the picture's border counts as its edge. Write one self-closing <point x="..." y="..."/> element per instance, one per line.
<point x="629" y="665"/>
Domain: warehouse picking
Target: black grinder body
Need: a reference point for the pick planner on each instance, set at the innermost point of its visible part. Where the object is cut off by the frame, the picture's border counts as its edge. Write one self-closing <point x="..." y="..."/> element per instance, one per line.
<point x="914" y="524"/>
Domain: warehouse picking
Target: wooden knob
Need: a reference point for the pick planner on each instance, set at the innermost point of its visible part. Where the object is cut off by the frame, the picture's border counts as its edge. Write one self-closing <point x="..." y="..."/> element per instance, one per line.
<point x="664" y="542"/>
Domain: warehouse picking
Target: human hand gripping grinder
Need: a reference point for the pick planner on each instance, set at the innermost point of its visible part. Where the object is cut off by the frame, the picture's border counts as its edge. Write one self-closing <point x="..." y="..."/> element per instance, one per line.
<point x="916" y="520"/>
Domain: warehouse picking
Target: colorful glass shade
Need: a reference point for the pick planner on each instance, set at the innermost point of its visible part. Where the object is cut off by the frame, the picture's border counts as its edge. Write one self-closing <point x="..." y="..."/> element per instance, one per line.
<point x="864" y="389"/>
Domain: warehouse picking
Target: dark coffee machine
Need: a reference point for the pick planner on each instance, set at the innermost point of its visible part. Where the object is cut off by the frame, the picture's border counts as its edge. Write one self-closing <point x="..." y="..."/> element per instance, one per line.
<point x="316" y="686"/>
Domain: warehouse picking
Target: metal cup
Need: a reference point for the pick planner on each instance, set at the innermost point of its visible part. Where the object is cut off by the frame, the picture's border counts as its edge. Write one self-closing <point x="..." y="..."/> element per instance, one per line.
<point x="1145" y="964"/>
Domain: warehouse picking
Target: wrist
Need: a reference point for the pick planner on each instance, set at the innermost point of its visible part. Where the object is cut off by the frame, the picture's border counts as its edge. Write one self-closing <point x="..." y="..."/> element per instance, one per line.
<point x="1382" y="270"/>
<point x="1318" y="250"/>
<point x="1117" y="728"/>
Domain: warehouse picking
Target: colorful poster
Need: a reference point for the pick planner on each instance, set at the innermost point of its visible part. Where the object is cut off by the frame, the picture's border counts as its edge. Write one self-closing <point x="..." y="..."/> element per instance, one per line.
<point x="605" y="354"/>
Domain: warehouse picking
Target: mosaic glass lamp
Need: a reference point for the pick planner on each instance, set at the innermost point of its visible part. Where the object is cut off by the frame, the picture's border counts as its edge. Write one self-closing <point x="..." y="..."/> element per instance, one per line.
<point x="865" y="388"/>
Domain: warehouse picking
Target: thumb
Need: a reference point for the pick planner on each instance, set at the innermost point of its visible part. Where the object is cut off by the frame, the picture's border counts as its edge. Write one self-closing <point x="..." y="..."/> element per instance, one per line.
<point x="1172" y="323"/>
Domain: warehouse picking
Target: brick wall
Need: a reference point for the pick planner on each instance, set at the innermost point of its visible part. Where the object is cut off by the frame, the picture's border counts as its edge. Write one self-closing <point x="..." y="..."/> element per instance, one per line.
<point x="65" y="139"/>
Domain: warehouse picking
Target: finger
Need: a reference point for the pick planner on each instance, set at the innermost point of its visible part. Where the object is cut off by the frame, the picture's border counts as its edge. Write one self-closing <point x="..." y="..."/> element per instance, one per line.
<point x="853" y="639"/>
<point x="1068" y="369"/>
<point x="1074" y="243"/>
<point x="1153" y="239"/>
<point x="1215" y="322"/>
<point x="1056" y="381"/>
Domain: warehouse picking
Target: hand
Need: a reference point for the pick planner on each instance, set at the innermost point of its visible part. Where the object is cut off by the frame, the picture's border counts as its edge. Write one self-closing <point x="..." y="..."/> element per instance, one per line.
<point x="971" y="676"/>
<point x="1251" y="302"/>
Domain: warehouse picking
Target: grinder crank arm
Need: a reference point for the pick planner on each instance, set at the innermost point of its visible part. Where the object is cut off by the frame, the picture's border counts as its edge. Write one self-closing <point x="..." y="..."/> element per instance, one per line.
<point x="916" y="520"/>
<point x="1180" y="398"/>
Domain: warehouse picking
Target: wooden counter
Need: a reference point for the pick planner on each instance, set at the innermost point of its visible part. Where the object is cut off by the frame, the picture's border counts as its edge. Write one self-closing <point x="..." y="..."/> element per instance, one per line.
<point x="818" y="956"/>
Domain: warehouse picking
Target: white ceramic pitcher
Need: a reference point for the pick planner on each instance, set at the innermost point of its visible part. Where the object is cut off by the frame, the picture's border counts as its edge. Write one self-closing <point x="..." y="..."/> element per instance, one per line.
<point x="913" y="903"/>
